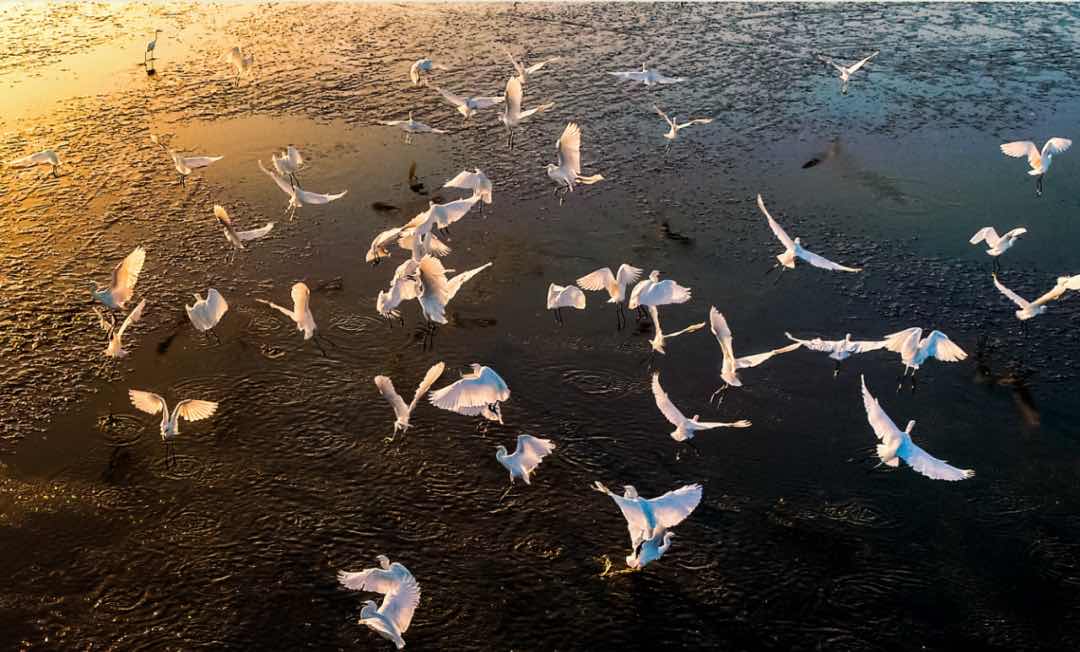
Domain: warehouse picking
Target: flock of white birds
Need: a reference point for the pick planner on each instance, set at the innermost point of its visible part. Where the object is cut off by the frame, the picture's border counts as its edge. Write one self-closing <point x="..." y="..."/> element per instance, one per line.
<point x="481" y="392"/>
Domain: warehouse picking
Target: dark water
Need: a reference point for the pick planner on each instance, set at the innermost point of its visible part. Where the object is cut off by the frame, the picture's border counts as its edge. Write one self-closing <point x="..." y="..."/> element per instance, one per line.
<point x="798" y="543"/>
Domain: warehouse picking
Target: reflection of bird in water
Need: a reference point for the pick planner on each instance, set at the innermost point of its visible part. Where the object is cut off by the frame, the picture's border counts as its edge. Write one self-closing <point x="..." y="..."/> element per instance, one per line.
<point x="830" y="152"/>
<point x="1015" y="378"/>
<point x="415" y="184"/>
<point x="668" y="233"/>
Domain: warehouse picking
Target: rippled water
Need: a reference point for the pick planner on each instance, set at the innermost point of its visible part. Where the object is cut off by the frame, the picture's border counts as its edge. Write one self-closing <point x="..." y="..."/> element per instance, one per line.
<point x="798" y="543"/>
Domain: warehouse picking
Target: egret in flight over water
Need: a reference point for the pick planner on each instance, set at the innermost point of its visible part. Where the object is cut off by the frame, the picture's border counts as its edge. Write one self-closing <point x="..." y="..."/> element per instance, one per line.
<point x="1039" y="161"/>
<point x="476" y="181"/>
<point x="238" y="238"/>
<point x="847" y="71"/>
<point x="288" y="164"/>
<point x="190" y="409"/>
<point x="526" y="457"/>
<point x="301" y="310"/>
<point x="205" y="314"/>
<point x="896" y="444"/>
<point x="524" y="71"/>
<point x="914" y="349"/>
<point x="998" y="244"/>
<point x="468" y="106"/>
<point x="646" y="517"/>
<point x="297" y="196"/>
<point x="568" y="171"/>
<point x="793" y="248"/>
<point x="115" y="348"/>
<point x="403" y="412"/>
<point x="839" y="350"/>
<point x="44" y="157"/>
<point x="401" y="596"/>
<point x="685" y="428"/>
<point x="729" y="371"/>
<point x="411" y="127"/>
<point x="647" y="76"/>
<point x="477" y="393"/>
<point x="659" y="337"/>
<point x="122" y="285"/>
<point x="674" y="127"/>
<point x="512" y="114"/>
<point x="1029" y="309"/>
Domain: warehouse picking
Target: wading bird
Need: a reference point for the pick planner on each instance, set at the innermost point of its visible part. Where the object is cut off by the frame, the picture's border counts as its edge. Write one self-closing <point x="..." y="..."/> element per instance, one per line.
<point x="559" y="297"/>
<point x="526" y="457"/>
<point x="44" y="157"/>
<point x="846" y="71"/>
<point x="646" y="517"/>
<point x="206" y="313"/>
<point x="685" y="428"/>
<point x="468" y="106"/>
<point x="839" y="350"/>
<point x="297" y="196"/>
<point x="896" y="444"/>
<point x="568" y="171"/>
<point x="729" y="371"/>
<point x="402" y="412"/>
<point x="411" y="127"/>
<point x="190" y="409"/>
<point x="1029" y="309"/>
<point x="301" y="310"/>
<point x="150" y="47"/>
<point x="288" y="164"/>
<point x="477" y="393"/>
<point x="115" y="348"/>
<point x="512" y="115"/>
<point x="914" y="349"/>
<point x="650" y="550"/>
<point x="615" y="284"/>
<point x="793" y="248"/>
<point x="647" y="76"/>
<point x="122" y="286"/>
<point x="401" y="596"/>
<point x="998" y="244"/>
<point x="1039" y="161"/>
<point x="238" y="238"/>
<point x="675" y="127"/>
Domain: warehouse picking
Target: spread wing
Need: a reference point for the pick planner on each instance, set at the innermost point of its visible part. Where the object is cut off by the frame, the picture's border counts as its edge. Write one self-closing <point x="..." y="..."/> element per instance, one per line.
<point x="455" y="100"/>
<point x="663" y="115"/>
<point x="285" y="186"/>
<point x="255" y="234"/>
<point x="195" y="410"/>
<point x="862" y="63"/>
<point x="667" y="408"/>
<point x="399" y="605"/>
<point x="464" y="179"/>
<point x="719" y="327"/>
<point x="1054" y="293"/>
<point x="748" y="361"/>
<point x="374" y="580"/>
<point x="674" y="506"/>
<point x="429" y="379"/>
<point x="126" y="273"/>
<point x="664" y="293"/>
<point x="386" y="388"/>
<point x="1056" y="146"/>
<point x="939" y="346"/>
<point x="663" y="79"/>
<point x="308" y="197"/>
<point x="457" y="209"/>
<point x="832" y="63"/>
<point x="471" y="392"/>
<point x="485" y="102"/>
<point x="537" y="66"/>
<point x="601" y="279"/>
<point x="207" y="313"/>
<point x="818" y="344"/>
<point x="900" y="341"/>
<point x="824" y="263"/>
<point x="570" y="148"/>
<point x="200" y="161"/>
<point x="864" y="346"/>
<point x="987" y="233"/>
<point x="531" y="450"/>
<point x="695" y="121"/>
<point x="133" y="316"/>
<point x="631" y="75"/>
<point x="883" y="426"/>
<point x="627" y="274"/>
<point x="930" y="466"/>
<point x="781" y="235"/>
<point x="454" y="284"/>
<point x="1022" y="148"/>
<point x="1014" y="297"/>
<point x="148" y="402"/>
<point x="285" y="311"/>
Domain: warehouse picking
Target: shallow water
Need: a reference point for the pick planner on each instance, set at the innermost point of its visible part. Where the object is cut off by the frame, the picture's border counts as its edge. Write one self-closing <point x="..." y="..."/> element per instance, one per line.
<point x="798" y="543"/>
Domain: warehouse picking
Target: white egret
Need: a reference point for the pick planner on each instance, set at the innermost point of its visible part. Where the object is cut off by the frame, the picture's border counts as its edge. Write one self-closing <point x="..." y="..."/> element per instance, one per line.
<point x="301" y="310"/>
<point x="646" y="517"/>
<point x="998" y="244"/>
<point x="1039" y="161"/>
<point x="185" y="165"/>
<point x="476" y="181"/>
<point x="914" y="349"/>
<point x="115" y="348"/>
<point x="402" y="412"/>
<point x="420" y="70"/>
<point x="378" y="249"/>
<point x="650" y="550"/>
<point x="512" y="115"/>
<point x="298" y="196"/>
<point x="526" y="457"/>
<point x="190" y="409"/>
<point x="243" y="64"/>
<point x="468" y="106"/>
<point x="404" y="285"/>
<point x="847" y="71"/>
<point x="206" y="313"/>
<point x="793" y="248"/>
<point x="568" y="171"/>
<point x="659" y="337"/>
<point x="401" y="596"/>
<point x="729" y="370"/>
<point x="44" y="157"/>
<point x="238" y="238"/>
<point x="124" y="276"/>
<point x="411" y="127"/>
<point x="654" y="292"/>
<point x="675" y="127"/>
<point x="288" y="163"/>
<point x="416" y="235"/>
<point x="151" y="46"/>
<point x="522" y="70"/>
<point x="1029" y="309"/>
<point x="436" y="291"/>
<point x="685" y="428"/>
<point x="477" y="393"/>
<point x="446" y="214"/>
<point x="647" y="76"/>
<point x="568" y="296"/>
<point x="615" y="284"/>
<point x="896" y="444"/>
<point x="839" y="350"/>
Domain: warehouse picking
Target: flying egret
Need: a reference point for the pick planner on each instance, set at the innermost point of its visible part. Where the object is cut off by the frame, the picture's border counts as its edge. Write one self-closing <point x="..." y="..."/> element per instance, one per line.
<point x="243" y="64"/>
<point x="151" y="46"/>
<point x="1039" y="161"/>
<point x="793" y="248"/>
<point x="301" y="310"/>
<point x="401" y="410"/>
<point x="647" y="76"/>
<point x="914" y="349"/>
<point x="420" y="70"/>
<point x="1029" y="309"/>
<point x="238" y="238"/>
<point x="401" y="596"/>
<point x="675" y="127"/>
<point x="650" y="550"/>
<point x="568" y="171"/>
<point x="654" y="292"/>
<point x="560" y="296"/>
<point x="404" y="285"/>
<point x="847" y="71"/>
<point x="896" y="444"/>
<point x="476" y="181"/>
<point x="998" y="244"/>
<point x="298" y="196"/>
<point x="446" y="214"/>
<point x="288" y="163"/>
<point x="729" y="370"/>
<point x="115" y="348"/>
<point x="378" y="249"/>
<point x="468" y="106"/>
<point x="477" y="393"/>
<point x="522" y="70"/>
<point x="44" y="157"/>
<point x="839" y="350"/>
<point x="512" y="115"/>
<point x="411" y="127"/>
<point x="206" y="313"/>
<point x="416" y="235"/>
<point x="685" y="428"/>
<point x="190" y="409"/>
<point x="646" y="517"/>
<point x="615" y="284"/>
<point x="526" y="457"/>
<point x="185" y="165"/>
<point x="436" y="291"/>
<point x="659" y="337"/>
<point x="122" y="286"/>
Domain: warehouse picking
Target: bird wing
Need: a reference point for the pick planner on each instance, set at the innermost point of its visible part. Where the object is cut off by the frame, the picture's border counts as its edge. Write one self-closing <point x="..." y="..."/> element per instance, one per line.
<point x="513" y="96"/>
<point x="719" y="327"/>
<point x="485" y="102"/>
<point x="399" y="605"/>
<point x="824" y="263"/>
<point x="285" y="311"/>
<point x="132" y="317"/>
<point x="860" y="64"/>
<point x="709" y="425"/>
<point x="748" y="361"/>
<point x="148" y="402"/>
<point x="1014" y="233"/>
<point x="222" y="214"/>
<point x="374" y="580"/>
<point x="601" y="279"/>
<point x="24" y="162"/>
<point x="469" y="393"/>
<point x="464" y="179"/>
<point x="195" y="410"/>
<point x="386" y="388"/>
<point x="899" y="341"/>
<point x="569" y="145"/>
<point x="1022" y="148"/>
<point x="308" y="197"/>
<point x="667" y="408"/>
<point x="930" y="466"/>
<point x="692" y="328"/>
<point x="674" y="506"/>
<point x="695" y="121"/>
<point x="126" y="273"/>
<point x="818" y="344"/>
<point x="832" y="63"/>
<point x="938" y="345"/>
<point x="455" y="100"/>
<point x="206" y="313"/>
<point x="663" y="293"/>
<point x="1054" y="293"/>
<point x="1014" y="297"/>
<point x="883" y="426"/>
<point x="664" y="79"/>
<point x="285" y="186"/>
<point x="664" y="116"/>
<point x="627" y="274"/>
<point x="630" y="75"/>
<point x="457" y="209"/>
<point x="781" y="235"/>
<point x="864" y="346"/>
<point x="255" y="234"/>
<point x="532" y="450"/>
<point x="455" y="283"/>
<point x="429" y="379"/>
<point x="537" y="66"/>
<point x="200" y="161"/>
<point x="1056" y="146"/>
<point x="987" y="233"/>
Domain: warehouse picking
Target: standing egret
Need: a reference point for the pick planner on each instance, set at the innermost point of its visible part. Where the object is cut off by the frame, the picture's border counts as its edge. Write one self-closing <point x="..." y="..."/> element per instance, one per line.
<point x="403" y="412"/>
<point x="914" y="349"/>
<point x="206" y="313"/>
<point x="512" y="115"/>
<point x="729" y="371"/>
<point x="122" y="286"/>
<point x="411" y="127"/>
<point x="150" y="47"/>
<point x="896" y="444"/>
<point x="468" y="106"/>
<point x="685" y="428"/>
<point x="839" y="350"/>
<point x="1029" y="309"/>
<point x="998" y="244"/>
<point x="477" y="393"/>
<point x="238" y="238"/>
<point x="793" y="248"/>
<point x="115" y="348"/>
<point x="674" y="127"/>
<point x="301" y="310"/>
<point x="647" y="76"/>
<point x="647" y="517"/>
<point x="847" y="71"/>
<point x="401" y="596"/>
<point x="559" y="297"/>
<point x="615" y="284"/>
<point x="297" y="196"/>
<point x="526" y="457"/>
<point x="1039" y="161"/>
<point x="659" y="337"/>
<point x="650" y="550"/>
<point x="44" y="157"/>
<point x="190" y="409"/>
<point x="568" y="171"/>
